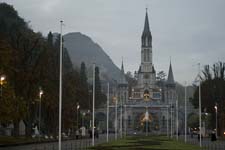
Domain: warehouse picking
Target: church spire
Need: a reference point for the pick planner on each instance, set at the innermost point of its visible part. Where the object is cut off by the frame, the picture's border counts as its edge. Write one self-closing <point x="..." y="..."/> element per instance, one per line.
<point x="146" y="34"/>
<point x="122" y="68"/>
<point x="122" y="75"/>
<point x="146" y="26"/>
<point x="170" y="79"/>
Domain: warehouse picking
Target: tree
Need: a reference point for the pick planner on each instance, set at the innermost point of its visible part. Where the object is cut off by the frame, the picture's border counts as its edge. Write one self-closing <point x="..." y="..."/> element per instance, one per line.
<point x="83" y="75"/>
<point x="99" y="96"/>
<point x="193" y="120"/>
<point x="161" y="76"/>
<point x="212" y="92"/>
<point x="30" y="61"/>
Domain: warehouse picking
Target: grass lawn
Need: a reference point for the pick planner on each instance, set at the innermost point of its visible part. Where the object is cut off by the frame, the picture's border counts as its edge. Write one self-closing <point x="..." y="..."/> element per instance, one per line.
<point x="14" y="140"/>
<point x="146" y="143"/>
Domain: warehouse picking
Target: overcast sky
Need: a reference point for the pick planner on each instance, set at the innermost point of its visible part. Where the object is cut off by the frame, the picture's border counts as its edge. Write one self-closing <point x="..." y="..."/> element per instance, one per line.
<point x="190" y="31"/>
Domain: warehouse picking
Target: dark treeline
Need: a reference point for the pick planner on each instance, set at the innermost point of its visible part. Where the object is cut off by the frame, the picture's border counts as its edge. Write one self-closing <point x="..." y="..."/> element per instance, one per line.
<point x="30" y="61"/>
<point x="212" y="93"/>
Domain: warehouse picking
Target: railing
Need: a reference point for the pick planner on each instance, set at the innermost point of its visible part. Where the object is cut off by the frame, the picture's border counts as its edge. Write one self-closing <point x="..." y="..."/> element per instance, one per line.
<point x="207" y="144"/>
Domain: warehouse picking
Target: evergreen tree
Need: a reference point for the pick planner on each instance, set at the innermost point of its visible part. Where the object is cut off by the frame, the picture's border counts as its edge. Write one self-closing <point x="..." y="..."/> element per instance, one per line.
<point x="50" y="39"/>
<point x="99" y="96"/>
<point x="83" y="75"/>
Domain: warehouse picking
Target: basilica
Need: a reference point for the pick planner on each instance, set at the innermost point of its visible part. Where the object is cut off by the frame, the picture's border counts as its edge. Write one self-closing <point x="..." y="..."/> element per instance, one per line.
<point x="150" y="105"/>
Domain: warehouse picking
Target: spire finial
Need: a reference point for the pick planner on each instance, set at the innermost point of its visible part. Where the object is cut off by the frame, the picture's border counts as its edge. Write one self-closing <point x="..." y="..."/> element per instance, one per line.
<point x="146" y="8"/>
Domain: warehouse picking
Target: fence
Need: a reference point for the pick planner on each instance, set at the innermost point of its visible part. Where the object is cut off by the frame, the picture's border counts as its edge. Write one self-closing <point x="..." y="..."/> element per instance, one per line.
<point x="207" y="144"/>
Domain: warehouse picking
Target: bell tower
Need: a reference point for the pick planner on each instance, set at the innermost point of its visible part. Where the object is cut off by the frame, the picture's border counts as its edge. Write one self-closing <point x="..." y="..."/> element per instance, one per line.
<point x="146" y="47"/>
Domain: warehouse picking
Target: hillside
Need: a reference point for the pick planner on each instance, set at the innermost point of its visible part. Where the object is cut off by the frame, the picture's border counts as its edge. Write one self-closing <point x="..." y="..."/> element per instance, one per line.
<point x="83" y="48"/>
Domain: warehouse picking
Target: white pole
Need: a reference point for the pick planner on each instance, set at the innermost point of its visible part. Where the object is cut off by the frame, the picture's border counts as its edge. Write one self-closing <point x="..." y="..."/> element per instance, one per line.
<point x="121" y="118"/>
<point x="107" y="122"/>
<point x="200" y="111"/>
<point x="216" y="118"/>
<point x="60" y="87"/>
<point x="185" y="113"/>
<point x="216" y="123"/>
<point x="177" y="123"/>
<point x="40" y="116"/>
<point x="116" y="120"/>
<point x="125" y="120"/>
<point x="146" y="117"/>
<point x="93" y="108"/>
<point x="171" y="120"/>
<point x="167" y="121"/>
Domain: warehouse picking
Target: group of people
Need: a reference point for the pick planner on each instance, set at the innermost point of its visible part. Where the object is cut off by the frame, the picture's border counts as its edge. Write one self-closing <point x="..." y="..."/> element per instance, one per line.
<point x="81" y="133"/>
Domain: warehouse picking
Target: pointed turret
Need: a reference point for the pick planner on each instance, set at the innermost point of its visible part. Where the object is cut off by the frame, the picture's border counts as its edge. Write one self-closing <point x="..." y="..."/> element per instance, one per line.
<point x="170" y="79"/>
<point x="146" y="34"/>
<point x="122" y="68"/>
<point x="122" y="75"/>
<point x="146" y="27"/>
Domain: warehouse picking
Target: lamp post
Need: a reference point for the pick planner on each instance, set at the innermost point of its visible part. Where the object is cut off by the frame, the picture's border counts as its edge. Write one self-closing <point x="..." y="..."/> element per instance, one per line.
<point x="40" y="96"/>
<point x="171" y="120"/>
<point x="185" y="113"/>
<point x="125" y="120"/>
<point x="107" y="119"/>
<point x="78" y="107"/>
<point x="60" y="88"/>
<point x="200" y="110"/>
<point x="121" y="118"/>
<point x="177" y="118"/>
<point x="93" y="108"/>
<point x="216" y="117"/>
<point x="115" y="99"/>
<point x="83" y="115"/>
<point x="167" y="122"/>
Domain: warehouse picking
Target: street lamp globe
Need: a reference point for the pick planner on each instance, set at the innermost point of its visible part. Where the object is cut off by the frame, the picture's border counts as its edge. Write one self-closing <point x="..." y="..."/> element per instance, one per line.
<point x="2" y="78"/>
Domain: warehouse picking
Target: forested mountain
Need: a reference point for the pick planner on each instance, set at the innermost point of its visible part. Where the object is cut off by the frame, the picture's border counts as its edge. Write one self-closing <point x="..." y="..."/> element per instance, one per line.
<point x="81" y="48"/>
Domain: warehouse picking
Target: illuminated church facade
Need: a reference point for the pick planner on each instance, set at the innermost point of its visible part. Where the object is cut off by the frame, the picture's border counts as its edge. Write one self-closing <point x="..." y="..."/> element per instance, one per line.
<point x="150" y="106"/>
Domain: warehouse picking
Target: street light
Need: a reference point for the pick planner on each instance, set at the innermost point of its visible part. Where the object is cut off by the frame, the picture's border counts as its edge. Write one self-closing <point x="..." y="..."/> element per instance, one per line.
<point x="216" y="117"/>
<point x="200" y="109"/>
<point x="40" y="95"/>
<point x="107" y="119"/>
<point x="78" y="107"/>
<point x="83" y="114"/>
<point x="60" y="88"/>
<point x="93" y="108"/>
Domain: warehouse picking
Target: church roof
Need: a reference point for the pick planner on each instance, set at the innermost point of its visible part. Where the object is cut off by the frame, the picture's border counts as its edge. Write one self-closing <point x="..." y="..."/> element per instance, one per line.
<point x="170" y="79"/>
